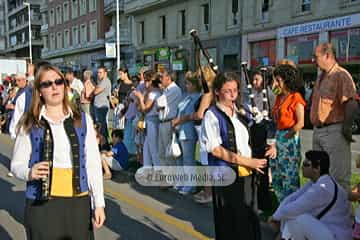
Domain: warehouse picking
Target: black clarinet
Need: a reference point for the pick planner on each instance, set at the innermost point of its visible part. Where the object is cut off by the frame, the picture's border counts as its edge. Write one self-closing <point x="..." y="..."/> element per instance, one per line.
<point x="47" y="157"/>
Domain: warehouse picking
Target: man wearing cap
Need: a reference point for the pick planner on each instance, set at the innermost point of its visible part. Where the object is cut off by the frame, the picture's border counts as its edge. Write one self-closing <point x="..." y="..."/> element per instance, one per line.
<point x="21" y="102"/>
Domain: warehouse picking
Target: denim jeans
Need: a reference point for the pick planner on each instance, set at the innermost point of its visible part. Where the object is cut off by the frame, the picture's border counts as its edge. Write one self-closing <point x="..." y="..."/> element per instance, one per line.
<point x="101" y="117"/>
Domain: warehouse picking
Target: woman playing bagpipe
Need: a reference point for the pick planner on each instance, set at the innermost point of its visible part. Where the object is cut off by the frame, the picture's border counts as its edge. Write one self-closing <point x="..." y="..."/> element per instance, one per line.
<point x="258" y="106"/>
<point x="226" y="139"/>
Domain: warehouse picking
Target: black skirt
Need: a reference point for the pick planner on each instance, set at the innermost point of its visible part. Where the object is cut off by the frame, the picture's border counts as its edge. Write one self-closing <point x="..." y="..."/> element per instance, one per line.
<point x="58" y="219"/>
<point x="233" y="218"/>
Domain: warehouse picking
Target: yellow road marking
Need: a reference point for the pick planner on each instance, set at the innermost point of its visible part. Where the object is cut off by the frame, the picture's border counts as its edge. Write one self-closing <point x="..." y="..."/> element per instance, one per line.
<point x="148" y="210"/>
<point x="156" y="214"/>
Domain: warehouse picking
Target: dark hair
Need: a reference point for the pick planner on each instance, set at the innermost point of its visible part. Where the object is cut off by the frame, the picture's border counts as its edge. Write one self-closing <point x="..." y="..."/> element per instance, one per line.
<point x="117" y="133"/>
<point x="291" y="78"/>
<point x="126" y="71"/>
<point x="69" y="71"/>
<point x="222" y="78"/>
<point x="102" y="67"/>
<point x="319" y="159"/>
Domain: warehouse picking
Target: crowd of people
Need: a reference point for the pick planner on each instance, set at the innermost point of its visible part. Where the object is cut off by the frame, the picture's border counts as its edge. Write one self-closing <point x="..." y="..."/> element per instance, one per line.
<point x="256" y="135"/>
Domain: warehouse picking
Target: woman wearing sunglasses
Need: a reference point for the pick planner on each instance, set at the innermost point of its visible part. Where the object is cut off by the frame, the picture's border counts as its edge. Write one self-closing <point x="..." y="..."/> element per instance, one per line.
<point x="54" y="154"/>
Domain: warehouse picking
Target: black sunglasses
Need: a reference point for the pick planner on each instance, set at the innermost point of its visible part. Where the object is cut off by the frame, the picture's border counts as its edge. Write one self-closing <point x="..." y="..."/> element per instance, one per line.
<point x="48" y="83"/>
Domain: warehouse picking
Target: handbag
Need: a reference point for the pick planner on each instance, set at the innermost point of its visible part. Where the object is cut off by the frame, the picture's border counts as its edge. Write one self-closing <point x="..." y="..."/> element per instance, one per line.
<point x="141" y="123"/>
<point x="173" y="148"/>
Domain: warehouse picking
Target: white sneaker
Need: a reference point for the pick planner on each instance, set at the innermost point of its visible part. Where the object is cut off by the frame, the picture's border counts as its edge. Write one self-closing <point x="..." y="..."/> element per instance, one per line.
<point x="10" y="174"/>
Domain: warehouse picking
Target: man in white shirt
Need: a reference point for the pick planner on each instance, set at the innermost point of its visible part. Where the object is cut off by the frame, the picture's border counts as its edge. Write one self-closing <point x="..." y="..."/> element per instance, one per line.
<point x="20" y="102"/>
<point x="74" y="83"/>
<point x="167" y="106"/>
<point x="318" y="210"/>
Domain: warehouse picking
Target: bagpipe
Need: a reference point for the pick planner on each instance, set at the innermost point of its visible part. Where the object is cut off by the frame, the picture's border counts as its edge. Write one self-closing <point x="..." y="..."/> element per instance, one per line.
<point x="205" y="73"/>
<point x="254" y="111"/>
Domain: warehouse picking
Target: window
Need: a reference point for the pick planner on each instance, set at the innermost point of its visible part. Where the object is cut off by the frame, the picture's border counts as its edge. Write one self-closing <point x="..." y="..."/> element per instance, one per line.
<point x="265" y="10"/>
<point x="59" y="40"/>
<point x="58" y="15"/>
<point x="301" y="48"/>
<point x="82" y="7"/>
<point x="182" y="23"/>
<point x="205" y="16"/>
<point x="231" y="62"/>
<point x="346" y="44"/>
<point x="234" y="11"/>
<point x="142" y="32"/>
<point x="93" y="31"/>
<point x="52" y="41"/>
<point x="305" y="5"/>
<point x="92" y="5"/>
<point x="45" y="42"/>
<point x="23" y="37"/>
<point x="66" y="11"/>
<point x="74" y="8"/>
<point x="66" y="38"/>
<point x="13" y="40"/>
<point x="83" y="33"/>
<point x="75" y="36"/>
<point x="52" y="17"/>
<point x="263" y="53"/>
<point x="163" y="27"/>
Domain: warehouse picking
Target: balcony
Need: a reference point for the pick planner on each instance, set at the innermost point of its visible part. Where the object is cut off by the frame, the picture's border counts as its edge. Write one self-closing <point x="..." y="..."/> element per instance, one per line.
<point x="25" y="44"/>
<point x="24" y="25"/>
<point x="43" y="7"/>
<point x="110" y="6"/>
<point x="139" y="6"/>
<point x="15" y="10"/>
<point x="81" y="47"/>
<point x="110" y="36"/>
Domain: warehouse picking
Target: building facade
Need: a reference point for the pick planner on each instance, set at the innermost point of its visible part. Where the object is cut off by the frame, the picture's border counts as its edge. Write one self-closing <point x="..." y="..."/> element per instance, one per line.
<point x="2" y="27"/>
<point x="16" y="33"/>
<point x="273" y="30"/>
<point x="160" y="32"/>
<point x="73" y="32"/>
<point x="127" y="50"/>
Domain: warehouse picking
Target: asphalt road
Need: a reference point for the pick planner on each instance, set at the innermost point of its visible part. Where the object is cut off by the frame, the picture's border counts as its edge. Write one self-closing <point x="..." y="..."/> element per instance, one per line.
<point x="133" y="212"/>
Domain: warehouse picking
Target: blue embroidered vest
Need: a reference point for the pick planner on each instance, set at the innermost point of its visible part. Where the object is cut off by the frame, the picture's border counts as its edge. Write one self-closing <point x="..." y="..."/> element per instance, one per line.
<point x="227" y="134"/>
<point x="33" y="188"/>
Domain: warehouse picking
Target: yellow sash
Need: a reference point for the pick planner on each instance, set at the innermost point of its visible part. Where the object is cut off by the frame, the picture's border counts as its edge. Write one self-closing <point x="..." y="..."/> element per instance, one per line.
<point x="61" y="183"/>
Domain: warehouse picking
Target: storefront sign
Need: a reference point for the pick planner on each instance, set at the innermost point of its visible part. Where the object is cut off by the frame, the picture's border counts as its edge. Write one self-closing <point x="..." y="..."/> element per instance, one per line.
<point x="149" y="51"/>
<point x="110" y="50"/>
<point x="178" y="65"/>
<point x="319" y="26"/>
<point x="163" y="54"/>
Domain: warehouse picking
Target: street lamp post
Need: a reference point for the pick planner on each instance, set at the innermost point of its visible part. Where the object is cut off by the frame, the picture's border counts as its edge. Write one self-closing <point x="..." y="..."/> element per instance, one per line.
<point x="117" y="35"/>
<point x="30" y="35"/>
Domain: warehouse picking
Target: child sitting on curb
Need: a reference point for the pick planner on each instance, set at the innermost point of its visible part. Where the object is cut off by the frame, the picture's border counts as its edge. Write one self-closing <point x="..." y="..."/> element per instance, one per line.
<point x="117" y="158"/>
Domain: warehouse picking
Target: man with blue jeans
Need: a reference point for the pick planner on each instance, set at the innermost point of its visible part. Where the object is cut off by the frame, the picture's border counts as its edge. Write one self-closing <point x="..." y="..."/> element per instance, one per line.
<point x="102" y="94"/>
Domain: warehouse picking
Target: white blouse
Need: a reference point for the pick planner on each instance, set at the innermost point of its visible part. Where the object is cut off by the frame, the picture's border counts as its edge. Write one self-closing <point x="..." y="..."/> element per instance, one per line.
<point x="63" y="155"/>
<point x="211" y="138"/>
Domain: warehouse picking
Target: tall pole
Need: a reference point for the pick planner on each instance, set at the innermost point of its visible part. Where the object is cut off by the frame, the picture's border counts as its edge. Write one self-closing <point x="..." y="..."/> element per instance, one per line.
<point x="117" y="35"/>
<point x="30" y="35"/>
